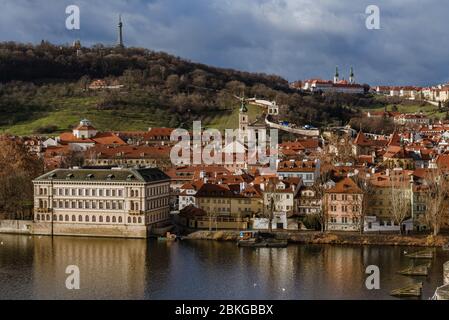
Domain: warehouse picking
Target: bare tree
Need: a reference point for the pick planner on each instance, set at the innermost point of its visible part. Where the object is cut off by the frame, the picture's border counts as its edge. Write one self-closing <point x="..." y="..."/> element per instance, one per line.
<point x="436" y="198"/>
<point x="339" y="148"/>
<point x="400" y="196"/>
<point x="319" y="189"/>
<point x="365" y="184"/>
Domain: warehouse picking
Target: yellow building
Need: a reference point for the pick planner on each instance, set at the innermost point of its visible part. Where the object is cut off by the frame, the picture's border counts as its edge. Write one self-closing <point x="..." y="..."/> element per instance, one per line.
<point x="228" y="206"/>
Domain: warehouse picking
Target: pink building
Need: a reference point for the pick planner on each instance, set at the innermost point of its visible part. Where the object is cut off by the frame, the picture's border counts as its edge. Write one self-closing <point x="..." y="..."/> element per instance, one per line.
<point x="344" y="205"/>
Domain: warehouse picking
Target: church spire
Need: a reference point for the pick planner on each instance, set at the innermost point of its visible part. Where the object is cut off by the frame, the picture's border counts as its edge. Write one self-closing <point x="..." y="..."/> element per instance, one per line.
<point x="120" y="32"/>
<point x="337" y="75"/>
<point x="351" y="76"/>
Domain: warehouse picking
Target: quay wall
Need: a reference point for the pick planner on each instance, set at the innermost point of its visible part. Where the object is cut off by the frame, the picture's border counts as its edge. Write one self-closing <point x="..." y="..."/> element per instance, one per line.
<point x="90" y="230"/>
<point x="337" y="238"/>
<point x="16" y="226"/>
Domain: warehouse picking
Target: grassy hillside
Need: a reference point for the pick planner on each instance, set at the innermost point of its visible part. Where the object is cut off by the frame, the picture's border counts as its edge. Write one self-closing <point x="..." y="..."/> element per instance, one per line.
<point x="64" y="113"/>
<point x="44" y="90"/>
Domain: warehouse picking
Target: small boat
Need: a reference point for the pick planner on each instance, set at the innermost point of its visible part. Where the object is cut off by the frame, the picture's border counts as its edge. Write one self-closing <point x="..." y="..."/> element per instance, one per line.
<point x="421" y="270"/>
<point x="414" y="290"/>
<point x="256" y="240"/>
<point x="425" y="254"/>
<point x="168" y="237"/>
<point x="441" y="293"/>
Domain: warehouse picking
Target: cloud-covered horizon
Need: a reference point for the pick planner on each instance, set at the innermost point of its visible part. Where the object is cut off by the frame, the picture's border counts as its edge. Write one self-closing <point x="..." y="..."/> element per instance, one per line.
<point x="296" y="39"/>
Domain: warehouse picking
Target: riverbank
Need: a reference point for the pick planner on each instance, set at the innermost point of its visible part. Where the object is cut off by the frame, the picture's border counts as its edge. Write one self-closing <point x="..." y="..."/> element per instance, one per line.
<point x="334" y="238"/>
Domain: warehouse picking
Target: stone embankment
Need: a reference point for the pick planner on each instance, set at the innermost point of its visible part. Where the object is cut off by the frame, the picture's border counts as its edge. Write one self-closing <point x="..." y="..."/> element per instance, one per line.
<point x="333" y="238"/>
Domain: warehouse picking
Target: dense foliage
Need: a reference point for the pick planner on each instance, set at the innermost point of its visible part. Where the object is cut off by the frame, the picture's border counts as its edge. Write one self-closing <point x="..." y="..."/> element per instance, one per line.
<point x="36" y="80"/>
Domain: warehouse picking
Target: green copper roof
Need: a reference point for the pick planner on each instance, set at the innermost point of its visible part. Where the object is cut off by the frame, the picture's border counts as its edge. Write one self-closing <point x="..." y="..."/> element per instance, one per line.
<point x="113" y="175"/>
<point x="243" y="107"/>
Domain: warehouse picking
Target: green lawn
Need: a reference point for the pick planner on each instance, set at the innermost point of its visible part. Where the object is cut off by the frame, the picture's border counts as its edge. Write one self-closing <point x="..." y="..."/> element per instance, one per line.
<point x="67" y="112"/>
<point x="428" y="109"/>
<point x="230" y="119"/>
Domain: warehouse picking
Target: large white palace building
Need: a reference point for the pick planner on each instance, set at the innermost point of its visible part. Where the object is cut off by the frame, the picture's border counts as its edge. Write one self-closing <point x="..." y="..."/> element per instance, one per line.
<point x="112" y="202"/>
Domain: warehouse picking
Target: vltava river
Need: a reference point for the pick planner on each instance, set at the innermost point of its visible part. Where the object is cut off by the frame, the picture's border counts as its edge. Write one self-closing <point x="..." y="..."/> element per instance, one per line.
<point x="34" y="268"/>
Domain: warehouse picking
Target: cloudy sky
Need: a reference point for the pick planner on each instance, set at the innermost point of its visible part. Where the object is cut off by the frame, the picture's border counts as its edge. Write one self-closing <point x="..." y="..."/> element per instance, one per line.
<point x="296" y="39"/>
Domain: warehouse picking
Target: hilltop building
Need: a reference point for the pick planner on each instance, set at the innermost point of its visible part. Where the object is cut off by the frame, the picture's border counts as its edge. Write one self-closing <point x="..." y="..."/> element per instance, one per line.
<point x="337" y="85"/>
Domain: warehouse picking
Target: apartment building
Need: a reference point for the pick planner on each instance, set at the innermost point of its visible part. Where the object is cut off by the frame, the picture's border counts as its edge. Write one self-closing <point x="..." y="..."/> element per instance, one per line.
<point x="112" y="202"/>
<point x="344" y="205"/>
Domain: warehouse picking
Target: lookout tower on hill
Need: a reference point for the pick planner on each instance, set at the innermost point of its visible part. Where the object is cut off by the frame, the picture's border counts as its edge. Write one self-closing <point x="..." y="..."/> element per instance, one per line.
<point x="120" y="33"/>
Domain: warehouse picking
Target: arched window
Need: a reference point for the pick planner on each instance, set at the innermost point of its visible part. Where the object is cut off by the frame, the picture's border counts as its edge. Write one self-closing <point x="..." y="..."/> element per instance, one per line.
<point x="73" y="218"/>
<point x="101" y="219"/>
<point x="114" y="219"/>
<point x="108" y="219"/>
<point x="38" y="217"/>
<point x="129" y="219"/>
<point x="48" y="217"/>
<point x="66" y="217"/>
<point x="120" y="220"/>
<point x="134" y="220"/>
<point x="61" y="218"/>
<point x="80" y="218"/>
<point x="87" y="219"/>
<point x="94" y="219"/>
<point x="140" y="220"/>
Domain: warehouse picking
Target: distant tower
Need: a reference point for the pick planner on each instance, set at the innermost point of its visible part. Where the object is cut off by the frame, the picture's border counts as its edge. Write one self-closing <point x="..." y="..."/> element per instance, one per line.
<point x="120" y="33"/>
<point x="351" y="76"/>
<point x="243" y="120"/>
<point x="337" y="75"/>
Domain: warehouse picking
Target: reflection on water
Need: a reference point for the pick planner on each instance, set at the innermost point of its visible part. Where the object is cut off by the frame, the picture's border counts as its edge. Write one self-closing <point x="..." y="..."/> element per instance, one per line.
<point x="34" y="268"/>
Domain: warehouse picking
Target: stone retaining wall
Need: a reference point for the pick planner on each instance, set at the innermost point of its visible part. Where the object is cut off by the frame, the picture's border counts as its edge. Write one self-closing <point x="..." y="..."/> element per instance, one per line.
<point x="90" y="230"/>
<point x="16" y="226"/>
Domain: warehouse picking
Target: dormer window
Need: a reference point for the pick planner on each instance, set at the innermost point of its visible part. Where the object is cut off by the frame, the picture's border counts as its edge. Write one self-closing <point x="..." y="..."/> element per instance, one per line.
<point x="70" y="176"/>
<point x="90" y="176"/>
<point x="110" y="177"/>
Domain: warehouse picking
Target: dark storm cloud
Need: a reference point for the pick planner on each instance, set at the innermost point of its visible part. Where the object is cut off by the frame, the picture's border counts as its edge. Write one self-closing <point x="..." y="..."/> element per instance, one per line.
<point x="293" y="38"/>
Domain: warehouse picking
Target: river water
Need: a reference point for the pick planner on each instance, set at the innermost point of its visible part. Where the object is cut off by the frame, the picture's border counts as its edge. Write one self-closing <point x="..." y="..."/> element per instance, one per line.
<point x="34" y="268"/>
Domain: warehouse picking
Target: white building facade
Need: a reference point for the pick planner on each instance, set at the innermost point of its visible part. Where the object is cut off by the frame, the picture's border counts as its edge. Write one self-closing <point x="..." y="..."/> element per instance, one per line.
<point x="101" y="202"/>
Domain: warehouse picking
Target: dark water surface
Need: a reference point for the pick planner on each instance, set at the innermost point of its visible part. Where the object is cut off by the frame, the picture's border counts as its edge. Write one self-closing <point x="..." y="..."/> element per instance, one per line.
<point x="34" y="268"/>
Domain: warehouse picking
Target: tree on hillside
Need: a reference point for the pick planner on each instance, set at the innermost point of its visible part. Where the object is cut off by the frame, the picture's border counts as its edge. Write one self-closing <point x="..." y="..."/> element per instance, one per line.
<point x="18" y="170"/>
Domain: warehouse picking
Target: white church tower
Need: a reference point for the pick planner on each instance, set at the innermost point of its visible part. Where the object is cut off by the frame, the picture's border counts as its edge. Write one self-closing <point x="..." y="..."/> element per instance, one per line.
<point x="351" y="76"/>
<point x="243" y="120"/>
<point x="337" y="75"/>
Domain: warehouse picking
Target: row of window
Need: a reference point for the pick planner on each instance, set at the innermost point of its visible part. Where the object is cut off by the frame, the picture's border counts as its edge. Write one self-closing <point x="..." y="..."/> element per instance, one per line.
<point x="344" y="197"/>
<point x="345" y="208"/>
<point x="101" y="219"/>
<point x="153" y="191"/>
<point x="80" y="218"/>
<point x="215" y="201"/>
<point x="108" y="205"/>
<point x="100" y="205"/>
<point x="344" y="220"/>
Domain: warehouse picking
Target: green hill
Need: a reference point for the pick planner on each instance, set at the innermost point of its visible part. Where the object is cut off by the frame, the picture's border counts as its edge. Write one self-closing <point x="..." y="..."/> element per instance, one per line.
<point x="44" y="90"/>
